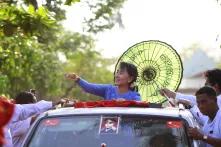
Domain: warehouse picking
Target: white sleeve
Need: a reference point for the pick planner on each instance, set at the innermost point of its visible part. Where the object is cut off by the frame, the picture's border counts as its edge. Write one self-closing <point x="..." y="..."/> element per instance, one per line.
<point x="7" y="137"/>
<point x="20" y="128"/>
<point x="219" y="123"/>
<point x="201" y="119"/>
<point x="219" y="101"/>
<point x="25" y="111"/>
<point x="190" y="98"/>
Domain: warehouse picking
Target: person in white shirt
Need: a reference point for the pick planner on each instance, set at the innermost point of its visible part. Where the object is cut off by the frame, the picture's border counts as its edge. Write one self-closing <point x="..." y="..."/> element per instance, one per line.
<point x="210" y="118"/>
<point x="20" y="128"/>
<point x="25" y="111"/>
<point x="213" y="79"/>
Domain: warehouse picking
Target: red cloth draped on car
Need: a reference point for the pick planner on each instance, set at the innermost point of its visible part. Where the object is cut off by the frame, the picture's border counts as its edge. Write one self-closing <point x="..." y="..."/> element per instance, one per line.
<point x="112" y="103"/>
<point x="6" y="112"/>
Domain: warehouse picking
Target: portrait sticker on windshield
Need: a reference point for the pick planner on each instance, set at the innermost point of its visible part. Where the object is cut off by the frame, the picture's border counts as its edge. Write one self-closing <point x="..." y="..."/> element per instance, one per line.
<point x="109" y="125"/>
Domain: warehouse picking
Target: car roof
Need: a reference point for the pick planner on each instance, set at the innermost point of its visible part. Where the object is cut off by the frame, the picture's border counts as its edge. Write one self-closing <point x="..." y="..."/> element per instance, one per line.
<point x="114" y="110"/>
<point x="162" y="112"/>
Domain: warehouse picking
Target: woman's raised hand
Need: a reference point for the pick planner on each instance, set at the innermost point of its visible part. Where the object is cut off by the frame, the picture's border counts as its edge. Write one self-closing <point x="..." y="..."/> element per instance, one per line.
<point x="168" y="93"/>
<point x="72" y="76"/>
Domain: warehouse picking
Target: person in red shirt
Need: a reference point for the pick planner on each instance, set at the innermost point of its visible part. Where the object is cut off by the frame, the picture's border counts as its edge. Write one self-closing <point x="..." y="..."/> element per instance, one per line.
<point x="6" y="112"/>
<point x="11" y="113"/>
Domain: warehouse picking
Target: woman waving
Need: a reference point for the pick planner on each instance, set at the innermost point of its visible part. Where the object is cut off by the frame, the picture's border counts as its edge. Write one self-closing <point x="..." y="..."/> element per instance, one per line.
<point x="125" y="77"/>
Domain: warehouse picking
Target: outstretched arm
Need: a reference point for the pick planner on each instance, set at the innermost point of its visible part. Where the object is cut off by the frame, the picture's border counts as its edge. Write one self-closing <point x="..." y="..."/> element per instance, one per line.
<point x="96" y="89"/>
<point x="25" y="111"/>
<point x="178" y="96"/>
<point x="191" y="98"/>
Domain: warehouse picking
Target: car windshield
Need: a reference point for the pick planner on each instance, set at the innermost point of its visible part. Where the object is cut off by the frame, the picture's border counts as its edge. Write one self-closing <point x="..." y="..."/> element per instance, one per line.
<point x="114" y="131"/>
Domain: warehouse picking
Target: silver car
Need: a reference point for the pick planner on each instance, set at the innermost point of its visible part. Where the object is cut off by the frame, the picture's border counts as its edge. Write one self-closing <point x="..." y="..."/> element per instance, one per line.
<point x="112" y="127"/>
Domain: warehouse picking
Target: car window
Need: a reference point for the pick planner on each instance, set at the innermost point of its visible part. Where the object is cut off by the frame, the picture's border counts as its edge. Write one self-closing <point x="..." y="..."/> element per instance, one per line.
<point x="114" y="131"/>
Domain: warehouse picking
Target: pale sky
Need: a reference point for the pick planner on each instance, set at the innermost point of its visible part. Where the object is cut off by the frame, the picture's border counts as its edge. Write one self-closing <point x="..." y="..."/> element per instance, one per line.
<point x="180" y="23"/>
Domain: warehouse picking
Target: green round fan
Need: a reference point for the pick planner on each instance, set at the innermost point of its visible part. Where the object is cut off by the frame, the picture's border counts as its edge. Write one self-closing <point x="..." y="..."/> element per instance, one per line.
<point x="159" y="66"/>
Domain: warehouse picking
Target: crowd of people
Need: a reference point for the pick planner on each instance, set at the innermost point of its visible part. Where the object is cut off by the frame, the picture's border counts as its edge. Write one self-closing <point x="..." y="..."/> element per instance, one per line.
<point x="204" y="106"/>
<point x="17" y="118"/>
<point x="26" y="106"/>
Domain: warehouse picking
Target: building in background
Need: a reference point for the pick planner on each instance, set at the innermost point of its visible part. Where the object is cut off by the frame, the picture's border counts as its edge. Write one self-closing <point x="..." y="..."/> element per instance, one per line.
<point x="194" y="68"/>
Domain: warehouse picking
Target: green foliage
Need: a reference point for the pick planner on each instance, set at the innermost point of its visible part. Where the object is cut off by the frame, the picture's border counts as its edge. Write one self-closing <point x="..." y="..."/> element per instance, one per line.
<point x="69" y="2"/>
<point x="104" y="14"/>
<point x="4" y="81"/>
<point x="69" y="42"/>
<point x="26" y="65"/>
<point x="28" y="22"/>
<point x="89" y="65"/>
<point x="83" y="60"/>
<point x="32" y="41"/>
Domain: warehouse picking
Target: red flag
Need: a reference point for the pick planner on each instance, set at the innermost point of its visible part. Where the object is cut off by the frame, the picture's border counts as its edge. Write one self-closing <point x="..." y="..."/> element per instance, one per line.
<point x="111" y="103"/>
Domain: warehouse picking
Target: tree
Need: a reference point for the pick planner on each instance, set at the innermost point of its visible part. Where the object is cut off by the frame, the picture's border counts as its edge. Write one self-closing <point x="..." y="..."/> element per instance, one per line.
<point x="105" y="14"/>
<point x="15" y="17"/>
<point x="31" y="39"/>
<point x="91" y="66"/>
<point x="84" y="61"/>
